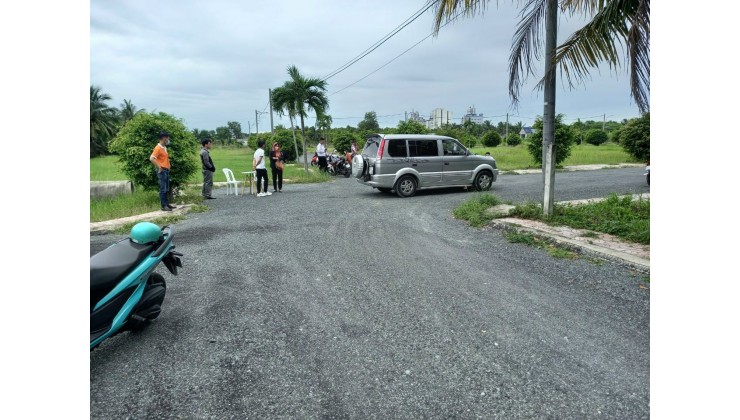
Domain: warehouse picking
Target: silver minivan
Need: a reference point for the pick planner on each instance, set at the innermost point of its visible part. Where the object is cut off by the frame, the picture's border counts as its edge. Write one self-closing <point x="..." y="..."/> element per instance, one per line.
<point x="404" y="163"/>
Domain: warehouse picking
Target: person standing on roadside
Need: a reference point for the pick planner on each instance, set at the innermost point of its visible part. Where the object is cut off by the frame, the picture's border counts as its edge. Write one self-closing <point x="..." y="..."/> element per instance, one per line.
<point x="321" y="153"/>
<point x="277" y="163"/>
<point x="354" y="148"/>
<point x="208" y="168"/>
<point x="258" y="164"/>
<point x="161" y="159"/>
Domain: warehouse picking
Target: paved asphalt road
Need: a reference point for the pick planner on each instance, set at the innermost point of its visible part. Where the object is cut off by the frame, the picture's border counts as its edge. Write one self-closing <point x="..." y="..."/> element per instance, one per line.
<point x="335" y="301"/>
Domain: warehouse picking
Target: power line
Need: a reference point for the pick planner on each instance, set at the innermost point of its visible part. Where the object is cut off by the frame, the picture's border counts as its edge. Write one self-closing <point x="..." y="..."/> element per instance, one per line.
<point x="394" y="59"/>
<point x="382" y="40"/>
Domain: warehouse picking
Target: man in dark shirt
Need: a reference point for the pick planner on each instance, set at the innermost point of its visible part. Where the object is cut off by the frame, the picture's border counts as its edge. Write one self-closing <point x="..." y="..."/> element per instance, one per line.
<point x="208" y="168"/>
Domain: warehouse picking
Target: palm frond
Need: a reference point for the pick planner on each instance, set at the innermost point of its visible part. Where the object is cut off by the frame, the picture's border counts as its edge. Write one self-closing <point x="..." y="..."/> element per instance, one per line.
<point x="446" y="10"/>
<point x="527" y="46"/>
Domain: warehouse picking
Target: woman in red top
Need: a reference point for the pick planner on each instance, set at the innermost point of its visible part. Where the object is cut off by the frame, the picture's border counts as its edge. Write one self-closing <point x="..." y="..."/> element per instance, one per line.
<point x="277" y="160"/>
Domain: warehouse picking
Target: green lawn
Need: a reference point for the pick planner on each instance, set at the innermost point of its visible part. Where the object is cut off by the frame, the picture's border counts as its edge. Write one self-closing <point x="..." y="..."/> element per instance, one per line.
<point x="239" y="159"/>
<point x="507" y="158"/>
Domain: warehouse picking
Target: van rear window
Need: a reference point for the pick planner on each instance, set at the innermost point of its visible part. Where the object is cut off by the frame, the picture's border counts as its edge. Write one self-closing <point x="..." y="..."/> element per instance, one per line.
<point x="371" y="146"/>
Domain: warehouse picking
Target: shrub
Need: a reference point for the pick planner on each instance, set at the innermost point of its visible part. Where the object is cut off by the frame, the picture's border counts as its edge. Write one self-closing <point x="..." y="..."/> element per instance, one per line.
<point x="596" y="137"/>
<point x="468" y="140"/>
<point x="136" y="140"/>
<point x="635" y="137"/>
<point x="283" y="137"/>
<point x="491" y="139"/>
<point x="342" y="141"/>
<point x="513" y="139"/>
<point x="564" y="139"/>
<point x="411" y="127"/>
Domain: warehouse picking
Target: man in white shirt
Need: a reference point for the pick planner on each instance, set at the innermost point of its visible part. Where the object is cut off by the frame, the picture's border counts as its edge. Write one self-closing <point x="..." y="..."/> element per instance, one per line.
<point x="321" y="153"/>
<point x="258" y="164"/>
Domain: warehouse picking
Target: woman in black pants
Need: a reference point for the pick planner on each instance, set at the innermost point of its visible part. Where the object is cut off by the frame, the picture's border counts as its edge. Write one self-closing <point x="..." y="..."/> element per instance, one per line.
<point x="277" y="160"/>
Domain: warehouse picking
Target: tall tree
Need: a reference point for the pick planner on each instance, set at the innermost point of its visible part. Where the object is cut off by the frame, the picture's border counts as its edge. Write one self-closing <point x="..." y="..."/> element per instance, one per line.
<point x="323" y="123"/>
<point x="128" y="111"/>
<point x="103" y="121"/>
<point x="299" y="96"/>
<point x="369" y="124"/>
<point x="613" y="22"/>
<point x="235" y="128"/>
<point x="282" y="103"/>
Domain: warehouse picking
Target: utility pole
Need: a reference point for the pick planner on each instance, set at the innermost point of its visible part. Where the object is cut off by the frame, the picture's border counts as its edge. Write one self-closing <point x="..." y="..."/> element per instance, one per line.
<point x="507" y="128"/>
<point x="603" y="125"/>
<point x="249" y="124"/>
<point x="272" y="129"/>
<point x="257" y="121"/>
<point x="548" y="119"/>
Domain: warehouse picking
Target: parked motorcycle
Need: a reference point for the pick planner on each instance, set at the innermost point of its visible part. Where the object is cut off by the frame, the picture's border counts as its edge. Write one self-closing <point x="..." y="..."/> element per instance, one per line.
<point x="125" y="292"/>
<point x="338" y="165"/>
<point x="315" y="160"/>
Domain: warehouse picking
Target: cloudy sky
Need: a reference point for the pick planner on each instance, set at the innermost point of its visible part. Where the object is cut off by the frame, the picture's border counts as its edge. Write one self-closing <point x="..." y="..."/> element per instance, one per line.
<point x="213" y="62"/>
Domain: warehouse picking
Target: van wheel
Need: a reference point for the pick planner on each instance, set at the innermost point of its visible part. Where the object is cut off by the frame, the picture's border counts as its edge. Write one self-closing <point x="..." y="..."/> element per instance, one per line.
<point x="406" y="186"/>
<point x="483" y="181"/>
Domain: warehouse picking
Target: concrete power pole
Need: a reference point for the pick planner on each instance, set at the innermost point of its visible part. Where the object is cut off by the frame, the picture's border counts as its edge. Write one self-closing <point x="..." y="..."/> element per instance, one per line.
<point x="257" y="121"/>
<point x="272" y="129"/>
<point x="548" y="120"/>
<point x="506" y="136"/>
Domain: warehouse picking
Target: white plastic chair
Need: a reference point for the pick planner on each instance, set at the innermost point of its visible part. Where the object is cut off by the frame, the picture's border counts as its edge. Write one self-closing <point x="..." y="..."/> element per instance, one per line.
<point x="231" y="182"/>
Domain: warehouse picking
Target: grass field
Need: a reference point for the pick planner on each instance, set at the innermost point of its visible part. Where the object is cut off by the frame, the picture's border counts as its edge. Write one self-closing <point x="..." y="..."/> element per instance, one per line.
<point x="239" y="159"/>
<point x="507" y="158"/>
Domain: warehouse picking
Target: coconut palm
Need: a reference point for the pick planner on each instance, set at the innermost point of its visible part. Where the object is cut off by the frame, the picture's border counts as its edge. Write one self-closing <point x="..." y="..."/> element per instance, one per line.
<point x="299" y="96"/>
<point x="103" y="120"/>
<point x="613" y="23"/>
<point x="128" y="110"/>
<point x="323" y="123"/>
<point x="282" y="103"/>
<point x="626" y="22"/>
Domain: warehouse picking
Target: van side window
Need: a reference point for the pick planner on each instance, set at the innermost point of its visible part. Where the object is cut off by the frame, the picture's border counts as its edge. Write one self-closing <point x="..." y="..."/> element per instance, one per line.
<point x="452" y="148"/>
<point x="397" y="148"/>
<point x="423" y="148"/>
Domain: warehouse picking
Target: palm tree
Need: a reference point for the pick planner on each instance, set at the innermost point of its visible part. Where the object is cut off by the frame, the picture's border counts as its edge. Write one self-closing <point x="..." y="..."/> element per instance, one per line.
<point x="323" y="123"/>
<point x="128" y="110"/>
<point x="281" y="104"/>
<point x="103" y="121"/>
<point x="300" y="95"/>
<point x="613" y="22"/>
<point x="624" y="21"/>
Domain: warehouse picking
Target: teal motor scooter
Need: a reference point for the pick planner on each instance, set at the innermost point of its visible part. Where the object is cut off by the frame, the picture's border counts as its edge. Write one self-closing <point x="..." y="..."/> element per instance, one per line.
<point x="125" y="292"/>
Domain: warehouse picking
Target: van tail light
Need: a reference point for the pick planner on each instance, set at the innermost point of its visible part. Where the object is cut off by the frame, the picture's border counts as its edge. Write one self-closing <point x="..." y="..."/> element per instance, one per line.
<point x="380" y="149"/>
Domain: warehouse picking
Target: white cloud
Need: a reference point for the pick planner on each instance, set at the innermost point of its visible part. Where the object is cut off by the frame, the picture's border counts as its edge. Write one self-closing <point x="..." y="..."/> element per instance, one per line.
<point x="213" y="62"/>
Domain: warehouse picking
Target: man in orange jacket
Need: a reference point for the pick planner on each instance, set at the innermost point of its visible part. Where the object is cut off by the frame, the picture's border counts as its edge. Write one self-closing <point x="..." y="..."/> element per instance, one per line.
<point x="161" y="159"/>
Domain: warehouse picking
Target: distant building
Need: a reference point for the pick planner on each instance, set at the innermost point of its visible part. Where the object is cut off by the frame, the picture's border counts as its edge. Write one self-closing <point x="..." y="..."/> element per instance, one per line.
<point x="438" y="118"/>
<point x="526" y="132"/>
<point x="472" y="116"/>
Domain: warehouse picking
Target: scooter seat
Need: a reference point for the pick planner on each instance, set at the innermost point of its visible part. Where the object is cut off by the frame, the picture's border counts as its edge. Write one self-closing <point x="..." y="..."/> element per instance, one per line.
<point x="111" y="265"/>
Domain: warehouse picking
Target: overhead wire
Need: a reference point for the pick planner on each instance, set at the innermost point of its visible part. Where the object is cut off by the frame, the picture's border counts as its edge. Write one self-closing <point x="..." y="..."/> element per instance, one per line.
<point x="396" y="57"/>
<point x="382" y="41"/>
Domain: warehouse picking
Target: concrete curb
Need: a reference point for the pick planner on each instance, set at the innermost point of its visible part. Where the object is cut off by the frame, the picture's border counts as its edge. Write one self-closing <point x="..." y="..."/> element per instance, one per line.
<point x="599" y="245"/>
<point x="107" y="226"/>
<point x="574" y="168"/>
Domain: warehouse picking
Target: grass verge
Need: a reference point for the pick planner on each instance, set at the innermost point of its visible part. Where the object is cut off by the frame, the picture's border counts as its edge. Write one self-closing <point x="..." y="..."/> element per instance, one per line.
<point x="474" y="209"/>
<point x="537" y="242"/>
<point x="139" y="202"/>
<point x="624" y="217"/>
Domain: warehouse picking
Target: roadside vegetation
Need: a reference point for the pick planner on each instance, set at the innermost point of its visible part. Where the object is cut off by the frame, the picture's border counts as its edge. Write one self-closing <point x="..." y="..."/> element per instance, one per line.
<point x="623" y="217"/>
<point x="122" y="139"/>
